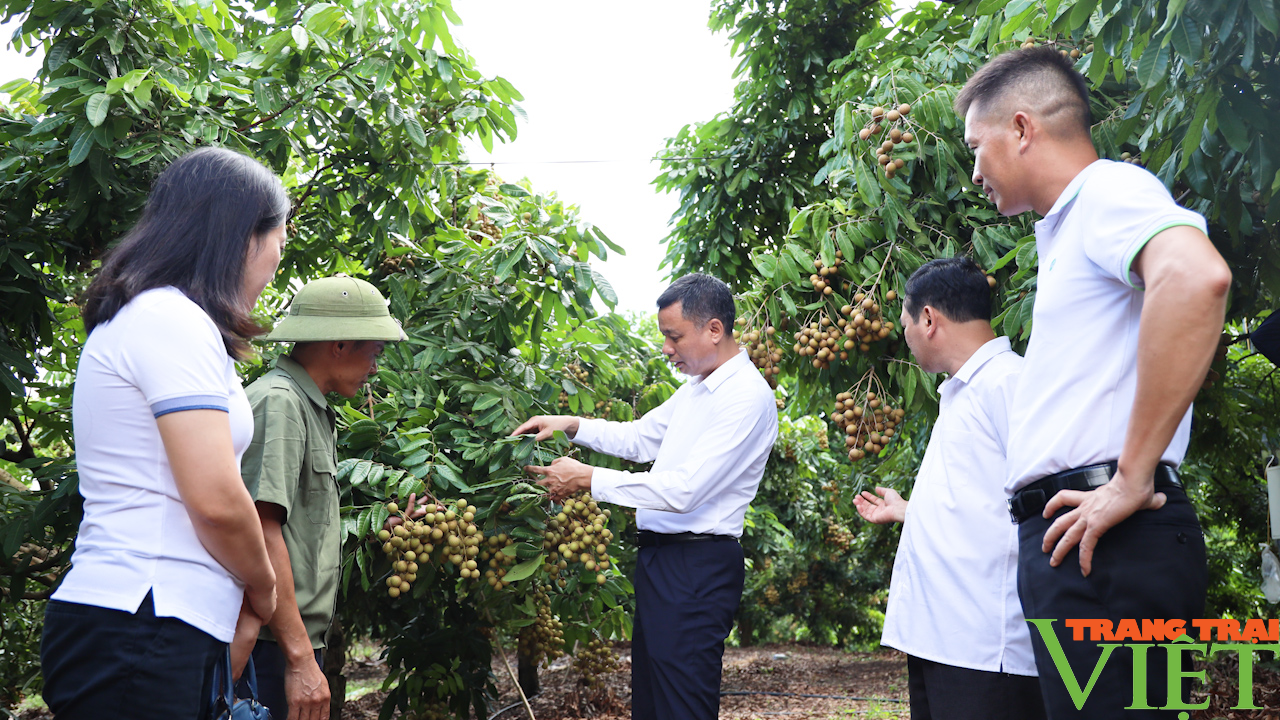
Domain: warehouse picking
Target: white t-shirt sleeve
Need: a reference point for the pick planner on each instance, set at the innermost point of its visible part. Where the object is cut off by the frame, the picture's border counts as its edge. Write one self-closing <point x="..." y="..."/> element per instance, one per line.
<point x="175" y="356"/>
<point x="1131" y="206"/>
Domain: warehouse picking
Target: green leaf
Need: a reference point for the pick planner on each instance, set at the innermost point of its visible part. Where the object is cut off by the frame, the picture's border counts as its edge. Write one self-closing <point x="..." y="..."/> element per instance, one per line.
<point x="1265" y="11"/>
<point x="1152" y="65"/>
<point x="524" y="569"/>
<point x="1187" y="40"/>
<point x="989" y="7"/>
<point x="80" y="150"/>
<point x="868" y="188"/>
<point x="204" y="38"/>
<point x="414" y="129"/>
<point x="300" y="37"/>
<point x="96" y="109"/>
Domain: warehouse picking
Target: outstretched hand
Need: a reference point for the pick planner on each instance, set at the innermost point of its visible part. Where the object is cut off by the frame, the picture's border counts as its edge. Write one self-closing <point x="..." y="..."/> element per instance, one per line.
<point x="1095" y="512"/>
<point x="563" y="477"/>
<point x="547" y="425"/>
<point x="888" y="507"/>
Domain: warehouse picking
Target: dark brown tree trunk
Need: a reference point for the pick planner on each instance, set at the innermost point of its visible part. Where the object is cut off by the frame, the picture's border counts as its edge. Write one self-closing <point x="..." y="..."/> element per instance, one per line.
<point x="335" y="658"/>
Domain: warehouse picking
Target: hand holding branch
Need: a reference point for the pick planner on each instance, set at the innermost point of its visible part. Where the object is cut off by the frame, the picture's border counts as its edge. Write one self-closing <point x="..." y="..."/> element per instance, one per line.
<point x="563" y="477"/>
<point x="546" y="426"/>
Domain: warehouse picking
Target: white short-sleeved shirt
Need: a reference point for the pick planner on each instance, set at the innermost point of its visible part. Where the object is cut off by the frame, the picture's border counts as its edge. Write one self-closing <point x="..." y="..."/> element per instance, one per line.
<point x="708" y="442"/>
<point x="1080" y="377"/>
<point x="161" y="353"/>
<point x="953" y="598"/>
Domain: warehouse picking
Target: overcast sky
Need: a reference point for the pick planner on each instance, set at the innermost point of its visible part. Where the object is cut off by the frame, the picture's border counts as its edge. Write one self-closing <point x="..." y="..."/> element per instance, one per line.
<point x="603" y="83"/>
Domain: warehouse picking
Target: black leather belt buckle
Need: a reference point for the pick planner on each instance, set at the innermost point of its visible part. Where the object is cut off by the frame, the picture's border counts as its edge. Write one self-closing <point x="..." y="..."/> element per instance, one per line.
<point x="1026" y="503"/>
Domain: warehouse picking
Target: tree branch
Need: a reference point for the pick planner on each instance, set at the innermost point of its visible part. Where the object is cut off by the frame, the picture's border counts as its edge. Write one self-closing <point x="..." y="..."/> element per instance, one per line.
<point x="301" y="96"/>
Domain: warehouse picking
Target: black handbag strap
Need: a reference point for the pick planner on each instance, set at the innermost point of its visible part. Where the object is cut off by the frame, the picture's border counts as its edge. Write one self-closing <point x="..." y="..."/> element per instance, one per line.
<point x="224" y="688"/>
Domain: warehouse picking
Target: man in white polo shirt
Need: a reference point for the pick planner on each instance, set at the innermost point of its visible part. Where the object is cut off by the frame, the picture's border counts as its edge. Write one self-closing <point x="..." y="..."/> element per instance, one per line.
<point x="953" y="600"/>
<point x="708" y="443"/>
<point x="1129" y="307"/>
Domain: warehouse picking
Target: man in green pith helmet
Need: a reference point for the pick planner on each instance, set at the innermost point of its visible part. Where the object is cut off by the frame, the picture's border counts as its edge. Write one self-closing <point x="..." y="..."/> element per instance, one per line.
<point x="339" y="326"/>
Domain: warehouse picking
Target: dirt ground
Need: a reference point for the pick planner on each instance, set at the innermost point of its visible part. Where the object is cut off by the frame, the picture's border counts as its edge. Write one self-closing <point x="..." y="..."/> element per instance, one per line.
<point x="787" y="681"/>
<point x="801" y="682"/>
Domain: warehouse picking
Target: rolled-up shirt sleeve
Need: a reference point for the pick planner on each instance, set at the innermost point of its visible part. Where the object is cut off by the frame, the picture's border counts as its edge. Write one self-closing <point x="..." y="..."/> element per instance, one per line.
<point x="709" y="468"/>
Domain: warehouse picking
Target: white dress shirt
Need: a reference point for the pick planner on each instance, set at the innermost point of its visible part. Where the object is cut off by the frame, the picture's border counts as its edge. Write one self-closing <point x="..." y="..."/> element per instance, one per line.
<point x="953" y="598"/>
<point x="1077" y="390"/>
<point x="709" y="443"/>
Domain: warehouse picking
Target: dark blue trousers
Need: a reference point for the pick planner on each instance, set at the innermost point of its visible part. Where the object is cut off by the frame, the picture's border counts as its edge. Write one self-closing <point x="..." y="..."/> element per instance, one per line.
<point x="105" y="664"/>
<point x="1152" y="565"/>
<point x="269" y="666"/>
<point x="686" y="597"/>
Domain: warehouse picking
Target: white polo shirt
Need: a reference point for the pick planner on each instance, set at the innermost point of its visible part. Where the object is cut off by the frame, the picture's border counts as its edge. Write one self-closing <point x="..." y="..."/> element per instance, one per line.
<point x="1080" y="377"/>
<point x="953" y="598"/>
<point x="161" y="353"/>
<point x="708" y="442"/>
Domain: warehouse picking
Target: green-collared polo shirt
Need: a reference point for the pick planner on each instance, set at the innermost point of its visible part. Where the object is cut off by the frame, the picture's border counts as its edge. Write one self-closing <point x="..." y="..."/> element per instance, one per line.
<point x="292" y="462"/>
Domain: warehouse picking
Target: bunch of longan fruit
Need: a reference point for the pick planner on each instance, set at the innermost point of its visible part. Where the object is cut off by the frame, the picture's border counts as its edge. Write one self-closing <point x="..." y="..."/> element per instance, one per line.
<point x="866" y="324"/>
<point x="593" y="661"/>
<point x="897" y="133"/>
<point x="824" y="280"/>
<point x="449" y="527"/>
<point x="868" y="426"/>
<point x="762" y="349"/>
<point x="837" y="535"/>
<point x="821" y="340"/>
<point x="578" y="533"/>
<point x="543" y="641"/>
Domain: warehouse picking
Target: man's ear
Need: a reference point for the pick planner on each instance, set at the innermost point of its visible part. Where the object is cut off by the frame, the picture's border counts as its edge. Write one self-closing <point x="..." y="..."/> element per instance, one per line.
<point x="717" y="329"/>
<point x="929" y="318"/>
<point x="1026" y="129"/>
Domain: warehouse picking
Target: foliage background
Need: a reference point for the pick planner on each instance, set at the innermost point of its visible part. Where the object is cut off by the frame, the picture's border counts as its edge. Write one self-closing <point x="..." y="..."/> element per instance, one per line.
<point x="361" y="107"/>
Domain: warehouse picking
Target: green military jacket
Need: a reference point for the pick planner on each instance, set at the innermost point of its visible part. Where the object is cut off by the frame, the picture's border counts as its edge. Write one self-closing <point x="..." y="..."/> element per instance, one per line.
<point x="292" y="462"/>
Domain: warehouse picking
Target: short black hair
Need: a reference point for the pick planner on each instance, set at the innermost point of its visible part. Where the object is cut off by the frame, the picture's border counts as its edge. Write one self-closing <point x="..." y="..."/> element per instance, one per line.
<point x="701" y="298"/>
<point x="1040" y="71"/>
<point x="956" y="287"/>
<point x="202" y="217"/>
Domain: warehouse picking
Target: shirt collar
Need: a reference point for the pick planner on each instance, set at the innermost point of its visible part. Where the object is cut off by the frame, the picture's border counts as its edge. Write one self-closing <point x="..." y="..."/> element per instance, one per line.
<point x="725" y="371"/>
<point x="294" y="369"/>
<point x="989" y="349"/>
<point x="1073" y="187"/>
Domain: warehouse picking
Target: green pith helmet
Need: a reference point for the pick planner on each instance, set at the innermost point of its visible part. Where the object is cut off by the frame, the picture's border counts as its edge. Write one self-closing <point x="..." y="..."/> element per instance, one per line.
<point x="337" y="308"/>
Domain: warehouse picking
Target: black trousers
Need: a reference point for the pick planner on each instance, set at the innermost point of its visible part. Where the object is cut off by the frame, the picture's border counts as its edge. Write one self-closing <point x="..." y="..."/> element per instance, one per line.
<point x="686" y="597"/>
<point x="102" y="664"/>
<point x="947" y="692"/>
<point x="1152" y="565"/>
<point x="270" y="667"/>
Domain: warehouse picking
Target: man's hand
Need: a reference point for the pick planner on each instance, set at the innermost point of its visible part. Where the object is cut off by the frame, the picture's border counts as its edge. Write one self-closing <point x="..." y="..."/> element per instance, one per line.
<point x="547" y="425"/>
<point x="1096" y="512"/>
<point x="564" y="477"/>
<point x="247" y="627"/>
<point x="413" y="510"/>
<point x="872" y="508"/>
<point x="307" y="690"/>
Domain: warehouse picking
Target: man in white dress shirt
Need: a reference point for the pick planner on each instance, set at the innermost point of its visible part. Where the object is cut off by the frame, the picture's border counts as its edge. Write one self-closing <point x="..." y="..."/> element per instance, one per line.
<point x="953" y="600"/>
<point x="1129" y="307"/>
<point x="709" y="444"/>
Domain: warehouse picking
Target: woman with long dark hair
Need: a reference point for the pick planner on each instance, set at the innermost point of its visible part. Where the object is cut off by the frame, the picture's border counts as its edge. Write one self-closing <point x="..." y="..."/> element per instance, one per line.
<point x="170" y="546"/>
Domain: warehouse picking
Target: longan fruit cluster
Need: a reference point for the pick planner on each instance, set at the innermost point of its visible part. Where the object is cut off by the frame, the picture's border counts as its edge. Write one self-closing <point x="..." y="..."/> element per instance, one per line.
<point x="762" y="349"/>
<point x="799" y="582"/>
<point x="770" y="595"/>
<point x="434" y="711"/>
<point x="578" y="534"/>
<point x="497" y="559"/>
<point x="1131" y="159"/>
<point x="543" y="641"/>
<point x="1073" y="53"/>
<point x="837" y="535"/>
<point x="823" y="341"/>
<point x="824" y="280"/>
<point x="450" y="528"/>
<point x="866" y="325"/>
<point x="868" y="427"/>
<point x="593" y="661"/>
<point x="891" y="123"/>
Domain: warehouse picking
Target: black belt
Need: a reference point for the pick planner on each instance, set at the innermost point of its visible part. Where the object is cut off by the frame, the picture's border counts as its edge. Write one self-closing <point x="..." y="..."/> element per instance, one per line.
<point x="648" y="538"/>
<point x="1032" y="498"/>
